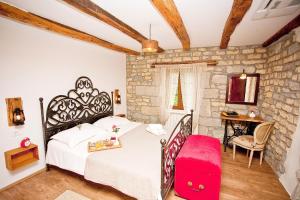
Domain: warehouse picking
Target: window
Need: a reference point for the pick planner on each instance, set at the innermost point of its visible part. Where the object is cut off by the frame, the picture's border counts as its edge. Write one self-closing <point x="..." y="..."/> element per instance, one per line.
<point x="181" y="89"/>
<point x="177" y="103"/>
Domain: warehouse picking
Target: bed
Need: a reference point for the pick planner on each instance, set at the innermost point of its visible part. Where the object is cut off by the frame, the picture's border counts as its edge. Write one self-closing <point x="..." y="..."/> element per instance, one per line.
<point x="142" y="168"/>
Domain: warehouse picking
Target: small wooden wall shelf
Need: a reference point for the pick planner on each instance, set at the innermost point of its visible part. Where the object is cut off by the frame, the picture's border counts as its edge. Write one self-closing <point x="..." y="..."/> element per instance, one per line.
<point x="20" y="157"/>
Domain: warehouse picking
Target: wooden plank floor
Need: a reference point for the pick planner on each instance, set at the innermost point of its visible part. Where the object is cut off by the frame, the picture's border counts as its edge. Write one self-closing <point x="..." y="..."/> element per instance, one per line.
<point x="238" y="183"/>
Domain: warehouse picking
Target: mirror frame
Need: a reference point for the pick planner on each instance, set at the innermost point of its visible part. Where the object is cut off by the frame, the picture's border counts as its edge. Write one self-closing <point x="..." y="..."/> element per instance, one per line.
<point x="256" y="89"/>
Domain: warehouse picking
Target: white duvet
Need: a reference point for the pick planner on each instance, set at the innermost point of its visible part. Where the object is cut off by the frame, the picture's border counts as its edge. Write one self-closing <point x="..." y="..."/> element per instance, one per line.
<point x="133" y="169"/>
<point x="74" y="159"/>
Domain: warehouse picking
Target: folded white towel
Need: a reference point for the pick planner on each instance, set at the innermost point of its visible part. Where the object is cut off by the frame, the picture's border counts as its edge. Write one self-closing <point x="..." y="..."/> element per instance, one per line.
<point x="156" y="129"/>
<point x="155" y="126"/>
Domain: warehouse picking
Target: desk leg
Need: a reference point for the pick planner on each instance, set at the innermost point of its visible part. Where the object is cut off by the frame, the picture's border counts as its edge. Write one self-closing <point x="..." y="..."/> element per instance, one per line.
<point x="225" y="139"/>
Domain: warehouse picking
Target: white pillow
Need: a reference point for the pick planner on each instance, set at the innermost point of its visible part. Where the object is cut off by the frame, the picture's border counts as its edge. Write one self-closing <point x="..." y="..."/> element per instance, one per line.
<point x="91" y="129"/>
<point x="107" y="122"/>
<point x="73" y="136"/>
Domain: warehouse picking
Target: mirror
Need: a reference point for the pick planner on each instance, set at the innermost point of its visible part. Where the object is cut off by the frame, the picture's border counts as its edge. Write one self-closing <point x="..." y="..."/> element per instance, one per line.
<point x="242" y="91"/>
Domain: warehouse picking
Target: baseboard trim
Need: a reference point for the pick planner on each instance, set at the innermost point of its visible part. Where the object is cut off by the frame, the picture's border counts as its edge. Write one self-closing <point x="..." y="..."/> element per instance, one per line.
<point x="23" y="179"/>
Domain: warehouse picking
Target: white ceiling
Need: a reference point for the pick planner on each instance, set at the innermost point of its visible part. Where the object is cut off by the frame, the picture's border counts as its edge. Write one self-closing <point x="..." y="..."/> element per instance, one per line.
<point x="204" y="21"/>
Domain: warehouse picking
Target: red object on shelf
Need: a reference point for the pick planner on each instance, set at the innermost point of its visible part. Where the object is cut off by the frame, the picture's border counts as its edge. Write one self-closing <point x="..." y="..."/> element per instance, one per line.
<point x="198" y="169"/>
<point x="113" y="138"/>
<point x="25" y="142"/>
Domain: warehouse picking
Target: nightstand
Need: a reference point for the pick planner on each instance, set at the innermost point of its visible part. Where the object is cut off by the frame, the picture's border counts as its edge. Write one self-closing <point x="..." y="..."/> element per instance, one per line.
<point x="20" y="157"/>
<point x="121" y="115"/>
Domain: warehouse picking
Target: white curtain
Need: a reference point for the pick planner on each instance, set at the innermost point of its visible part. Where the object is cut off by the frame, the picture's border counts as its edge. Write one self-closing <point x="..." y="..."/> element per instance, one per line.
<point x="164" y="94"/>
<point x="193" y="80"/>
<point x="250" y="89"/>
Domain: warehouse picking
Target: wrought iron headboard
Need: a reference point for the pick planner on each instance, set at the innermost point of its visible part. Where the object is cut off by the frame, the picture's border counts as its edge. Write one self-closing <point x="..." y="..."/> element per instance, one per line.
<point x="84" y="104"/>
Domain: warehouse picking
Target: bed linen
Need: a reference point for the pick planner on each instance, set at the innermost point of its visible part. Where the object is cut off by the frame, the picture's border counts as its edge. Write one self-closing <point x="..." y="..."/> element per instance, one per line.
<point x="73" y="159"/>
<point x="133" y="169"/>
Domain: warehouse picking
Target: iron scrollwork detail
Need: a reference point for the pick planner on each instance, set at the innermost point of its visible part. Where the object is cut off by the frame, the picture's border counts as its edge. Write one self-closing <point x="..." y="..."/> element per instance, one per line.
<point x="170" y="151"/>
<point x="81" y="103"/>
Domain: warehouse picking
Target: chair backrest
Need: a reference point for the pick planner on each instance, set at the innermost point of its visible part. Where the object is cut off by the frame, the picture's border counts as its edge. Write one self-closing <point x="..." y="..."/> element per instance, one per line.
<point x="262" y="132"/>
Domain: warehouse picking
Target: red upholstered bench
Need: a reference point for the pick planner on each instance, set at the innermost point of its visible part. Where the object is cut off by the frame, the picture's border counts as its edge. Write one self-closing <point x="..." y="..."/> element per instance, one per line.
<point x="198" y="169"/>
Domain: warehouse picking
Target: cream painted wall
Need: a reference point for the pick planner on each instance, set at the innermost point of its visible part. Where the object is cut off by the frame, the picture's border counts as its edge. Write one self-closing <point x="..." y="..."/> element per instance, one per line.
<point x="36" y="63"/>
<point x="292" y="163"/>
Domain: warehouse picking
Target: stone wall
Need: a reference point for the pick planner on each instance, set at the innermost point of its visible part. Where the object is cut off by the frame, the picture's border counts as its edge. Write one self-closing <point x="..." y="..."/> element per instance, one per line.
<point x="280" y="97"/>
<point x="142" y="88"/>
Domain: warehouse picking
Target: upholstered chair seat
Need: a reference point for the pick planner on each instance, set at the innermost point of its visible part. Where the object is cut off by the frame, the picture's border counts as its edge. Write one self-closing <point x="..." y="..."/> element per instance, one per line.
<point x="257" y="142"/>
<point x="247" y="141"/>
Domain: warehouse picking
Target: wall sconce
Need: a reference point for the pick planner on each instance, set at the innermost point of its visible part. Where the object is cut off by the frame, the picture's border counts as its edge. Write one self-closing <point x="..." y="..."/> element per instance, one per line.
<point x="18" y="117"/>
<point x="243" y="75"/>
<point x="15" y="114"/>
<point x="117" y="97"/>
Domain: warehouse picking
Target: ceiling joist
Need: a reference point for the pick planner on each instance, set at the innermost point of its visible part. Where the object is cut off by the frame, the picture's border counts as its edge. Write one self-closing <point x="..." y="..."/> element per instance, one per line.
<point x="94" y="10"/>
<point x="40" y="22"/>
<point x="169" y="11"/>
<point x="238" y="11"/>
<point x="294" y="23"/>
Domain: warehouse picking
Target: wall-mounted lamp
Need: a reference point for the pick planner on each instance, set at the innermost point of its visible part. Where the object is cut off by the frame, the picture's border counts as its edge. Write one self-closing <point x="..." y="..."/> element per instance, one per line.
<point x="243" y="75"/>
<point x="18" y="117"/>
<point x="117" y="97"/>
<point x="15" y="114"/>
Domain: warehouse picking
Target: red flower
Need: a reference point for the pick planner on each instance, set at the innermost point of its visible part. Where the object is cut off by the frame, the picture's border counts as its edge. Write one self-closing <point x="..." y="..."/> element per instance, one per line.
<point x="114" y="126"/>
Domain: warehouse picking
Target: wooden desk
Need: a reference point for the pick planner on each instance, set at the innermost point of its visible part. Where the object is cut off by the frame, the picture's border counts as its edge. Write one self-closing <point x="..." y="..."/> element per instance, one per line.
<point x="238" y="132"/>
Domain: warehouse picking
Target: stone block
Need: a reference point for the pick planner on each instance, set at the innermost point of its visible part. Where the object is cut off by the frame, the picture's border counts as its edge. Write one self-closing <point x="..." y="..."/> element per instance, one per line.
<point x="211" y="93"/>
<point x="207" y="121"/>
<point x="254" y="56"/>
<point x="205" y="110"/>
<point x="147" y="110"/>
<point x="232" y="52"/>
<point x="294" y="48"/>
<point x="288" y="59"/>
<point x="219" y="79"/>
<point x="294" y="85"/>
<point x="147" y="90"/>
<point x="220" y="52"/>
<point x="235" y="69"/>
<point x="260" y="50"/>
<point x="252" y="62"/>
<point x="247" y="51"/>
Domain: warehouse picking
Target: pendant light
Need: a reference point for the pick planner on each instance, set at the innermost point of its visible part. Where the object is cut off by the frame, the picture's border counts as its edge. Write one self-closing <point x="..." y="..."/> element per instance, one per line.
<point x="243" y="75"/>
<point x="149" y="46"/>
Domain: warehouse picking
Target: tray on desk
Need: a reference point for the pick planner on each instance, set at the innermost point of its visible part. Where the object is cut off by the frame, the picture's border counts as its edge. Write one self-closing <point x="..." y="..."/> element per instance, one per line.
<point x="103" y="145"/>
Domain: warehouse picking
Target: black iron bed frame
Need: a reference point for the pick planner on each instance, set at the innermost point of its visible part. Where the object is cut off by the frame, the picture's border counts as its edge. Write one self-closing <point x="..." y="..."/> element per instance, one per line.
<point x="85" y="104"/>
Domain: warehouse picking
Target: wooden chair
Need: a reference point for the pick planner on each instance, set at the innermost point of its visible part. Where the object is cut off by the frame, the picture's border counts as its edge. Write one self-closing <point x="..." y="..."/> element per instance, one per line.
<point x="256" y="142"/>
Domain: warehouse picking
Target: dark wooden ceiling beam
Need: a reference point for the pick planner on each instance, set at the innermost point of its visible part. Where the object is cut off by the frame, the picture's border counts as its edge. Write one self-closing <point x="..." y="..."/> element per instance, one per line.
<point x="40" y="22"/>
<point x="168" y="10"/>
<point x="238" y="11"/>
<point x="94" y="10"/>
<point x="294" y="23"/>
